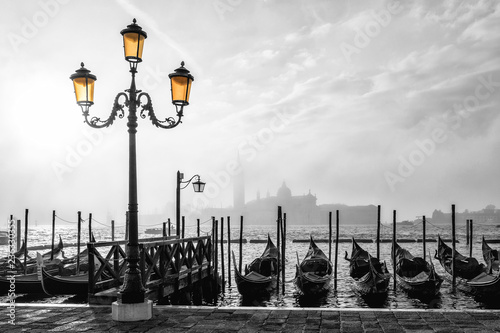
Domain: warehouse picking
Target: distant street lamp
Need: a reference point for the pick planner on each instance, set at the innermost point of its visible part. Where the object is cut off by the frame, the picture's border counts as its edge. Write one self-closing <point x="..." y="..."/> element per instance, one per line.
<point x="132" y="291"/>
<point x="198" y="187"/>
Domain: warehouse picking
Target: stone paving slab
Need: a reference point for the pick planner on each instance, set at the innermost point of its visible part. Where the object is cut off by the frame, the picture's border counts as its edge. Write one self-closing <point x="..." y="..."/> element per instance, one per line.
<point x="82" y="318"/>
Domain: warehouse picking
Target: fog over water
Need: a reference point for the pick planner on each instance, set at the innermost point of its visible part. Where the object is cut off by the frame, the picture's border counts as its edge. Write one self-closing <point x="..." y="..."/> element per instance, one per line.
<point x="380" y="102"/>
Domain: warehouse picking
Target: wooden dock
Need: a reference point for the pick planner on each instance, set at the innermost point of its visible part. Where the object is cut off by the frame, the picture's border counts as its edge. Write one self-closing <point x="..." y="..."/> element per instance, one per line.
<point x="169" y="267"/>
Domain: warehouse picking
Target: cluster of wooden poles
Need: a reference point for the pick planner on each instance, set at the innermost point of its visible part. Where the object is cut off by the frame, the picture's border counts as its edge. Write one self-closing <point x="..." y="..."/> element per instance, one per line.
<point x="26" y="222"/>
<point x="280" y="244"/>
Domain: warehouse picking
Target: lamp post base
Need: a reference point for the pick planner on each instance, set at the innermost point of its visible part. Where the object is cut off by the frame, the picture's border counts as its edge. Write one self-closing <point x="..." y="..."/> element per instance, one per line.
<point x="132" y="311"/>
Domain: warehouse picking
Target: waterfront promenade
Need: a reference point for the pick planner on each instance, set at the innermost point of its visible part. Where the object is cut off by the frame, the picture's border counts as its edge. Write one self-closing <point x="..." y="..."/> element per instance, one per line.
<point x="83" y="318"/>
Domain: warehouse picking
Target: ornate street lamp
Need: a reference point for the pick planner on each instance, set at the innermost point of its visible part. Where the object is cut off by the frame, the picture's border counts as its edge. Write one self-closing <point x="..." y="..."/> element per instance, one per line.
<point x="132" y="291"/>
<point x="198" y="187"/>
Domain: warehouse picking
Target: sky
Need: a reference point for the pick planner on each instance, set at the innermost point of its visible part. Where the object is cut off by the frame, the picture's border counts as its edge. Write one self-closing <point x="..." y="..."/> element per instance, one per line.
<point x="379" y="102"/>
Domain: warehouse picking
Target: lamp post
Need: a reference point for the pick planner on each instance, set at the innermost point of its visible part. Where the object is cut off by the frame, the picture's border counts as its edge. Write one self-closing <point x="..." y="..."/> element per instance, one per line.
<point x="198" y="187"/>
<point x="132" y="291"/>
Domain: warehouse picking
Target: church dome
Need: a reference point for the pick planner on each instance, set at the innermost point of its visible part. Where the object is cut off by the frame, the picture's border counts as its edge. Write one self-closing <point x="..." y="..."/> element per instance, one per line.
<point x="284" y="192"/>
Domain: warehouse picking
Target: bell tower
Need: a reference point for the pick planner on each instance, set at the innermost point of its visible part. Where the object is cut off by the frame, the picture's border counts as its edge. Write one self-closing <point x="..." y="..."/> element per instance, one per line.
<point x="239" y="187"/>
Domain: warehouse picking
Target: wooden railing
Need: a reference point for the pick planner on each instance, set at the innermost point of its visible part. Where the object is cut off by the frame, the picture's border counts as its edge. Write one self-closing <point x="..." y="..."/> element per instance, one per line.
<point x="167" y="263"/>
<point x="164" y="261"/>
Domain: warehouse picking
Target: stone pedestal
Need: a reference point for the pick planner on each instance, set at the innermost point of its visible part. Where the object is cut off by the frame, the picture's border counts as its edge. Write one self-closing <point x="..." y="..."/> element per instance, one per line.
<point x="132" y="312"/>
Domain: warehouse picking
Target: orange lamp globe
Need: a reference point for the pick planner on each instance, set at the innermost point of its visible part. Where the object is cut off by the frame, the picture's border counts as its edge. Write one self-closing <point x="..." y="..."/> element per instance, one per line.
<point x="133" y="42"/>
<point x="83" y="82"/>
<point x="181" y="82"/>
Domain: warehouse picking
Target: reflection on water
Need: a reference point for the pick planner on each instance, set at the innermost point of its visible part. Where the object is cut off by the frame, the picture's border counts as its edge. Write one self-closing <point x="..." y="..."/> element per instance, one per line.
<point x="343" y="297"/>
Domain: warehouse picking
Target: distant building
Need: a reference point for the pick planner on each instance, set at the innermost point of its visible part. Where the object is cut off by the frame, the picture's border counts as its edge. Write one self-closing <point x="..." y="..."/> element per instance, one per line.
<point x="488" y="215"/>
<point x="299" y="209"/>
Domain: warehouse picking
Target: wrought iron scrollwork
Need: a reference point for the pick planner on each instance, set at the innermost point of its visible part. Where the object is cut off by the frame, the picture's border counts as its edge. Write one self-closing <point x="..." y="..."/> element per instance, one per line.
<point x="169" y="122"/>
<point x="117" y="110"/>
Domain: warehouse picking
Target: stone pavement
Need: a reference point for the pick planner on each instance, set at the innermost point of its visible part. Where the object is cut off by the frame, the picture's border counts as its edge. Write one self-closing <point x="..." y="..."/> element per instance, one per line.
<point x="83" y="318"/>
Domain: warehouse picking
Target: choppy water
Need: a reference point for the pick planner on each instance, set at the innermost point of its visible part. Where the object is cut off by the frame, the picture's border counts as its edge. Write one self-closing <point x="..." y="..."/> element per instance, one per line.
<point x="343" y="297"/>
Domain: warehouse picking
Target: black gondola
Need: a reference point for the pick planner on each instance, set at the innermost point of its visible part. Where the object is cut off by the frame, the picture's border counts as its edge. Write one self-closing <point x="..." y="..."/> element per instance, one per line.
<point x="314" y="274"/>
<point x="261" y="275"/>
<point x="486" y="285"/>
<point x="29" y="283"/>
<point x="465" y="267"/>
<point x="415" y="275"/>
<point x="370" y="275"/>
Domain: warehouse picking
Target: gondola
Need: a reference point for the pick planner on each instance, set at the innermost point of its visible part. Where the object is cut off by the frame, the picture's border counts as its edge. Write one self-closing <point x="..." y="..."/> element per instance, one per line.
<point x="490" y="257"/>
<point x="314" y="274"/>
<point x="64" y="285"/>
<point x="370" y="275"/>
<point x="5" y="263"/>
<point x="29" y="283"/>
<point x="487" y="283"/>
<point x="465" y="267"/>
<point x="260" y="276"/>
<point x="415" y="275"/>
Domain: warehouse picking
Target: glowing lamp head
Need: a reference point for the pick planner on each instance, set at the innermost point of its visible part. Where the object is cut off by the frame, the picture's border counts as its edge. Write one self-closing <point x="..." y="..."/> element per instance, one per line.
<point x="133" y="42"/>
<point x="83" y="82"/>
<point x="181" y="82"/>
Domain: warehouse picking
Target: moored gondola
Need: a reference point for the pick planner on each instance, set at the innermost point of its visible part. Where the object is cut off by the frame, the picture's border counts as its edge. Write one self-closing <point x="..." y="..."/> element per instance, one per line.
<point x="63" y="285"/>
<point x="490" y="257"/>
<point x="415" y="275"/>
<point x="465" y="267"/>
<point x="370" y="275"/>
<point x="261" y="275"/>
<point x="314" y="274"/>
<point x="486" y="285"/>
<point x="29" y="283"/>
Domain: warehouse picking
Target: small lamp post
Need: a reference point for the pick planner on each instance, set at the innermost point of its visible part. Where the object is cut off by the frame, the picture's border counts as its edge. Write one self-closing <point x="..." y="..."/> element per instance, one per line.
<point x="198" y="187"/>
<point x="131" y="305"/>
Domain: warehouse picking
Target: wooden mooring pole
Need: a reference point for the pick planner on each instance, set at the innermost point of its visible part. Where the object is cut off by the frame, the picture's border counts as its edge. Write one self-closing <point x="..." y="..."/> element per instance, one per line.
<point x="336" y="250"/>
<point x="283" y="251"/>
<point x="184" y="227"/>
<point x="330" y="236"/>
<point x="453" y="275"/>
<point x="53" y="234"/>
<point x="25" y="239"/>
<point x="222" y="254"/>
<point x="112" y="230"/>
<point x="78" y="243"/>
<point x="215" y="254"/>
<point x="378" y="231"/>
<point x="393" y="250"/>
<point x="90" y="229"/>
<point x="471" y="224"/>
<point x="198" y="227"/>
<point x="423" y="238"/>
<point x="229" y="250"/>
<point x="164" y="230"/>
<point x="278" y="222"/>
<point x="18" y="233"/>
<point x="241" y="244"/>
<point x="169" y="227"/>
